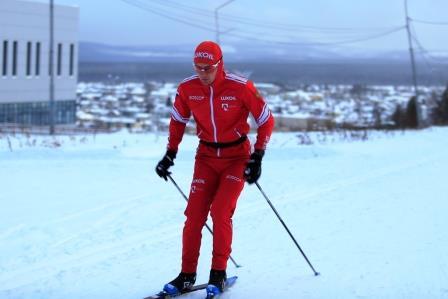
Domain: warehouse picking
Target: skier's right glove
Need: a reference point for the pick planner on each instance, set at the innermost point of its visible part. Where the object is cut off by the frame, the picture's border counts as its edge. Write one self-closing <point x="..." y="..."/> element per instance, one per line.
<point x="253" y="168"/>
<point x="164" y="164"/>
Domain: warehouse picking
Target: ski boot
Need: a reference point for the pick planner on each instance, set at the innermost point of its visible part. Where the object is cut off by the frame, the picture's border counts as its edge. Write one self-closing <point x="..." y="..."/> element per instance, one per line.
<point x="182" y="282"/>
<point x="216" y="283"/>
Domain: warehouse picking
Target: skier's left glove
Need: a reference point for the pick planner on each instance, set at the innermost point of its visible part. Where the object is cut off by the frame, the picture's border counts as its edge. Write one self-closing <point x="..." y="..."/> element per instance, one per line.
<point x="164" y="164"/>
<point x="253" y="167"/>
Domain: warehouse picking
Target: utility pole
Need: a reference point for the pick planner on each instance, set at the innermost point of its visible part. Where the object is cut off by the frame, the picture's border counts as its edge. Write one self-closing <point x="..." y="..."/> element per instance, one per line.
<point x="414" y="71"/>
<point x="51" y="71"/>
<point x="217" y="19"/>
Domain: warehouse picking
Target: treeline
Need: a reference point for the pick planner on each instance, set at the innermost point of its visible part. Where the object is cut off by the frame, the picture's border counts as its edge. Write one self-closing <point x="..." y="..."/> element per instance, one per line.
<point x="434" y="114"/>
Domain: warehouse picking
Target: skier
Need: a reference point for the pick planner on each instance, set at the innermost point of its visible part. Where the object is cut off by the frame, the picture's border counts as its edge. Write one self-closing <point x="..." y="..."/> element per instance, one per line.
<point x="220" y="103"/>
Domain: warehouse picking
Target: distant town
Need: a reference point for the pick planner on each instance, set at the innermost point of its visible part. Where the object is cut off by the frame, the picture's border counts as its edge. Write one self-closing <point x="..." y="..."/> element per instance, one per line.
<point x="147" y="106"/>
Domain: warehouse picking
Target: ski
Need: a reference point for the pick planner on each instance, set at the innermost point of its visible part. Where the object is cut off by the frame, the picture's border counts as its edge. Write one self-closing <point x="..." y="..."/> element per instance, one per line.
<point x="164" y="295"/>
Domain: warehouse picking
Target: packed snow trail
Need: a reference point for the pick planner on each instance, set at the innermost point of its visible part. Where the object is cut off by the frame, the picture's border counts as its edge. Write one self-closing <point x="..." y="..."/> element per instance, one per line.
<point x="93" y="220"/>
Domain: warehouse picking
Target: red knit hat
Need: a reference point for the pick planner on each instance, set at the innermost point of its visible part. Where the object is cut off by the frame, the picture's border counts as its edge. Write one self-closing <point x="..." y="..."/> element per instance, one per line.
<point x="207" y="52"/>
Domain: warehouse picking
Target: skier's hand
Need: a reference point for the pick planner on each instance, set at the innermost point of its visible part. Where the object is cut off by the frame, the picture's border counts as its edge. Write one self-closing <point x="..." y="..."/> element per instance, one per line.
<point x="164" y="164"/>
<point x="253" y="167"/>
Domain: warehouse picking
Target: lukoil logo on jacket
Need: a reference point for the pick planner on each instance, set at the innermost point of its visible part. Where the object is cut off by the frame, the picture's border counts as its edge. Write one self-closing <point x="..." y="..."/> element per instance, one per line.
<point x="228" y="98"/>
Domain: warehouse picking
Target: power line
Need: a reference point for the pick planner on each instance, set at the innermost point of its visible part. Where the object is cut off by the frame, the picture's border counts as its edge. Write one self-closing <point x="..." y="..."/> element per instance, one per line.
<point x="376" y="36"/>
<point x="288" y="38"/>
<point x="429" y="22"/>
<point x="294" y="27"/>
<point x="218" y="32"/>
<point x="431" y="67"/>
<point x="242" y="35"/>
<point x="139" y="5"/>
<point x="423" y="50"/>
<point x="421" y="47"/>
<point x="259" y="23"/>
<point x="425" y="54"/>
<point x="250" y="34"/>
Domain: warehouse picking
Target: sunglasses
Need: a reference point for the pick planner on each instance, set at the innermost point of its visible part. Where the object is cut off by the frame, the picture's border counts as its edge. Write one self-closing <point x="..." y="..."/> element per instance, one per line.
<point x="206" y="68"/>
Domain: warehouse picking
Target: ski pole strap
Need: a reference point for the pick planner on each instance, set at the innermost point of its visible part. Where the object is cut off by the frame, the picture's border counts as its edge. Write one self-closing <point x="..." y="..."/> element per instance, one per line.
<point x="224" y="144"/>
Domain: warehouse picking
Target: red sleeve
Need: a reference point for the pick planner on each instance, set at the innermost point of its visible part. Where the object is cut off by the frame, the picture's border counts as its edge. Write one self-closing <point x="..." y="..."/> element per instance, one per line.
<point x="180" y="114"/>
<point x="263" y="116"/>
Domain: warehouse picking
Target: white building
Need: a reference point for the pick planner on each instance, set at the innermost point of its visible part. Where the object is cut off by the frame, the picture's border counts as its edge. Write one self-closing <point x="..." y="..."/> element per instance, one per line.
<point x="24" y="62"/>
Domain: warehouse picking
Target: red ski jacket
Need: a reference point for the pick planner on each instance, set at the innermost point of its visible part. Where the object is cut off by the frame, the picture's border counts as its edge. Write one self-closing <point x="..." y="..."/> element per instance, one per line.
<point x="220" y="110"/>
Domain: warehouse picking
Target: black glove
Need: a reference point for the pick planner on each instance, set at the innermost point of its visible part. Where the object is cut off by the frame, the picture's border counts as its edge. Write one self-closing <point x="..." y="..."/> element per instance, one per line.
<point x="164" y="164"/>
<point x="253" y="167"/>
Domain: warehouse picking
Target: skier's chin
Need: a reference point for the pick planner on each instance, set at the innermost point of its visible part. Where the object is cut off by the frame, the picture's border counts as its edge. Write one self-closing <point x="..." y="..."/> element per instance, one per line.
<point x="206" y="81"/>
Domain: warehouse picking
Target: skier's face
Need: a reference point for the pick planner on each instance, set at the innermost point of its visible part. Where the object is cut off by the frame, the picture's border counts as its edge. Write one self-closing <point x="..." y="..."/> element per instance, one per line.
<point x="206" y="72"/>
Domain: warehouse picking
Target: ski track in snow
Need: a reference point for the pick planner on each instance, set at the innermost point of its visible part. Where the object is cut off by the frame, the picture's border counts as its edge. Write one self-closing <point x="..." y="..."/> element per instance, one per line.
<point x="84" y="257"/>
<point x="115" y="232"/>
<point x="337" y="185"/>
<point x="21" y="228"/>
<point x="97" y="251"/>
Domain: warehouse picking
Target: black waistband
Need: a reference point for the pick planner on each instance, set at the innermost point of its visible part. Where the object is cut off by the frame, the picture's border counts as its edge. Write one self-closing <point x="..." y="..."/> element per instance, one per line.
<point x="224" y="144"/>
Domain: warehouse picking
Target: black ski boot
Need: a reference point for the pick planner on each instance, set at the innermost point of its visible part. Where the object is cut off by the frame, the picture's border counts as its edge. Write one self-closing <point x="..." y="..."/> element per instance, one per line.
<point x="216" y="282"/>
<point x="181" y="283"/>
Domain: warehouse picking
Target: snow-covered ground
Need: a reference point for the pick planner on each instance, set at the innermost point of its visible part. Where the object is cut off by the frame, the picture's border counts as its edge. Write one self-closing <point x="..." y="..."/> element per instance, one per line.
<point x="89" y="218"/>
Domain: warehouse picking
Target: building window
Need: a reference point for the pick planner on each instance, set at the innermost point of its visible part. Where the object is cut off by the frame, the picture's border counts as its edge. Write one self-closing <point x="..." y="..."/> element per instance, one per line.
<point x="14" y="58"/>
<point x="59" y="59"/>
<point x="5" y="58"/>
<point x="37" y="70"/>
<point x="28" y="58"/>
<point x="72" y="58"/>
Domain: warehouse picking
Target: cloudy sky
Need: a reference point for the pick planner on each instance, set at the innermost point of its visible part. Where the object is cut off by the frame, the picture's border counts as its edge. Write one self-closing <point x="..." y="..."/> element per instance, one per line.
<point x="290" y="22"/>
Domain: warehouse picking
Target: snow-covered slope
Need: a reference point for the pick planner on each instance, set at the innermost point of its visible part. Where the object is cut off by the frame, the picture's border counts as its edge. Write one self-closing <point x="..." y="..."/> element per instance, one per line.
<point x="90" y="219"/>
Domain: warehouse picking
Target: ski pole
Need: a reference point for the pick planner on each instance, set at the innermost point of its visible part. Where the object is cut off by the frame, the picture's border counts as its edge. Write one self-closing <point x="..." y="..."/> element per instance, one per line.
<point x="209" y="229"/>
<point x="284" y="225"/>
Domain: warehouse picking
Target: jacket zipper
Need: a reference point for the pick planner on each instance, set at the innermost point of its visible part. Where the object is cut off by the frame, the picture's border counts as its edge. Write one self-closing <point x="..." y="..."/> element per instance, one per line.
<point x="212" y="116"/>
<point x="237" y="133"/>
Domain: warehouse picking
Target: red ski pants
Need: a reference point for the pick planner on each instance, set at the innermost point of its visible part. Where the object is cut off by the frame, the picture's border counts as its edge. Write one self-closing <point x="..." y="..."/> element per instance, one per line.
<point x="216" y="186"/>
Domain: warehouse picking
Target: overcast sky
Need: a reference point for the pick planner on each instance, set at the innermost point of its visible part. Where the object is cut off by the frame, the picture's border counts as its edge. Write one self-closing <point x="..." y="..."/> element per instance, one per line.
<point x="120" y="23"/>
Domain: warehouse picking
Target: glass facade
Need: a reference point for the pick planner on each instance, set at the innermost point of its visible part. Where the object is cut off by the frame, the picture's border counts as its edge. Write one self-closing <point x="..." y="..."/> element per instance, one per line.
<point x="37" y="113"/>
